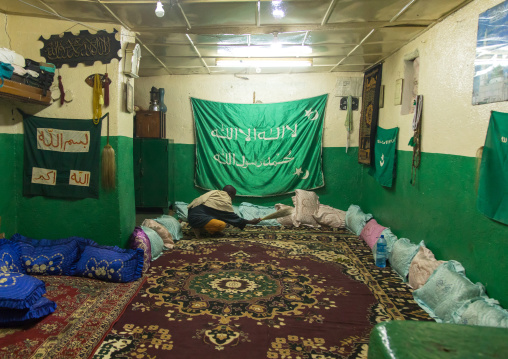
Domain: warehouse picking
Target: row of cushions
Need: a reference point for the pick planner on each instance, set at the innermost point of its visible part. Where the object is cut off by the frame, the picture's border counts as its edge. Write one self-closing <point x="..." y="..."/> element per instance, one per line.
<point x="441" y="288"/>
<point x="154" y="236"/>
<point x="74" y="256"/>
<point x="21" y="296"/>
<point x="308" y="211"/>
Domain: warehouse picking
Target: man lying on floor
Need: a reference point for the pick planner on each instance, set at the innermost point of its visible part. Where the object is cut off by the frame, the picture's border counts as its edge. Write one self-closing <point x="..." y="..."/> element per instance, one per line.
<point x="210" y="212"/>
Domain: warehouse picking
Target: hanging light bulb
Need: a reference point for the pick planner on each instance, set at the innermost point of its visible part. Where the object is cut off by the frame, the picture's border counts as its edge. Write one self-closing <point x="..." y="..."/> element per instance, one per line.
<point x="159" y="10"/>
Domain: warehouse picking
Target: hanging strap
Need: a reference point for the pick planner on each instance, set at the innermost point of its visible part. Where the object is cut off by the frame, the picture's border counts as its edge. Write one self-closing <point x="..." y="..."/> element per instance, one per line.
<point x="97" y="96"/>
<point x="349" y="120"/>
<point x="416" y="140"/>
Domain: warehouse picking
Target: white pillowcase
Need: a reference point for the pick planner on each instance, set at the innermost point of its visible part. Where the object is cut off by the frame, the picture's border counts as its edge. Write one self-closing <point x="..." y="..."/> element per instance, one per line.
<point x="306" y="204"/>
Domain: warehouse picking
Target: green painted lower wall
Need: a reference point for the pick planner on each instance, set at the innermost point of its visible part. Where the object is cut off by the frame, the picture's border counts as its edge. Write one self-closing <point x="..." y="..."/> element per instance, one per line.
<point x="108" y="220"/>
<point x="11" y="163"/>
<point x="340" y="169"/>
<point x="441" y="210"/>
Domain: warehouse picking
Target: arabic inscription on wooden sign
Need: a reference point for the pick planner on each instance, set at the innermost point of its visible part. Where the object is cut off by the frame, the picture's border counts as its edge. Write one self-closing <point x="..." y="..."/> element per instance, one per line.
<point x="84" y="48"/>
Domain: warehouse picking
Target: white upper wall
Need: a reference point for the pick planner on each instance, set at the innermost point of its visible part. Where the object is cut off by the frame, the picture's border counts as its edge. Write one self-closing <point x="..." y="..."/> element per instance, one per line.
<point x="22" y="36"/>
<point x="228" y="88"/>
<point x="450" y="123"/>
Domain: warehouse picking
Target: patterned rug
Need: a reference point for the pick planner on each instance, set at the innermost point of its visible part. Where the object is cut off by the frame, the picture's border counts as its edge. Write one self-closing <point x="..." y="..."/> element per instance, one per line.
<point x="261" y="293"/>
<point x="86" y="309"/>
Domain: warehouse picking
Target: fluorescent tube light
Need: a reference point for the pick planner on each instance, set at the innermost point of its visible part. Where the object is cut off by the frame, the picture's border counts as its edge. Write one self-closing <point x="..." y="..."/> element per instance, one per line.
<point x="264" y="62"/>
<point x="264" y="51"/>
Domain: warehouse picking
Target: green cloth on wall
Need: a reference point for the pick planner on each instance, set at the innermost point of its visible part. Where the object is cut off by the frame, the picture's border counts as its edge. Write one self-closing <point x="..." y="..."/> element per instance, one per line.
<point x="493" y="183"/>
<point x="61" y="157"/>
<point x="385" y="156"/>
<point x="261" y="149"/>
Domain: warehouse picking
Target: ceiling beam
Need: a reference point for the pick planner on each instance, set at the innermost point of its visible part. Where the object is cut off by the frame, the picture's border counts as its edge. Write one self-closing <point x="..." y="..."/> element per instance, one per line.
<point x="269" y="29"/>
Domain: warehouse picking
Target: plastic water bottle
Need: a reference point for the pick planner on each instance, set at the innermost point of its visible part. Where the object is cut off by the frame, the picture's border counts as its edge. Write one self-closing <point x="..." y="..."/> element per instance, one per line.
<point x="381" y="252"/>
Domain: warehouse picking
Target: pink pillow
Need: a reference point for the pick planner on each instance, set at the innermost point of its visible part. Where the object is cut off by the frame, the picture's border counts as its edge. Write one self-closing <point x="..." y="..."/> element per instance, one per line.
<point x="329" y="216"/>
<point x="371" y="232"/>
<point x="422" y="266"/>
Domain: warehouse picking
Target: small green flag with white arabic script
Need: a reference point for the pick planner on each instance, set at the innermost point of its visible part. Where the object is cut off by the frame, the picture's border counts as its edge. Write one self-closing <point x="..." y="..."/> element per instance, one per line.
<point x="61" y="157"/>
<point x="260" y="149"/>
<point x="493" y="184"/>
<point x="385" y="156"/>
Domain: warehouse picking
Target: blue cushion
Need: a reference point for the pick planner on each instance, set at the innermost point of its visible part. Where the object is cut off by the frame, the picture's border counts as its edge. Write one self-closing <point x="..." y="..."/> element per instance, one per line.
<point x="111" y="264"/>
<point x="20" y="291"/>
<point x="172" y="225"/>
<point x="156" y="243"/>
<point x="11" y="317"/>
<point x="356" y="219"/>
<point x="401" y="255"/>
<point x="10" y="254"/>
<point x="47" y="256"/>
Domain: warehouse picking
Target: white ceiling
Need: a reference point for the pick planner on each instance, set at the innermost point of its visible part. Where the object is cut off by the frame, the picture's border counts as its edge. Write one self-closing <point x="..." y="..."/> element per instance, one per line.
<point x="338" y="35"/>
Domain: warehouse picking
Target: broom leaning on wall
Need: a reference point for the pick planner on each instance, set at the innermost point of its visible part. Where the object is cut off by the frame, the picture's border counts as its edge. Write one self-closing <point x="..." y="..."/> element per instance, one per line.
<point x="108" y="164"/>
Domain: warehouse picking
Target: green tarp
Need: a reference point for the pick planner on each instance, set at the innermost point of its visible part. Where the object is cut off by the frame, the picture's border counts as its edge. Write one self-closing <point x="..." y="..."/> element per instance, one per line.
<point x="61" y="157"/>
<point x="261" y="149"/>
<point x="493" y="183"/>
<point x="385" y="156"/>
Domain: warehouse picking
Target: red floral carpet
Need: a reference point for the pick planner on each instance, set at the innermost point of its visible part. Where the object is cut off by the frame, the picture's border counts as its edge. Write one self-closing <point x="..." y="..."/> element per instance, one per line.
<point x="86" y="309"/>
<point x="261" y="293"/>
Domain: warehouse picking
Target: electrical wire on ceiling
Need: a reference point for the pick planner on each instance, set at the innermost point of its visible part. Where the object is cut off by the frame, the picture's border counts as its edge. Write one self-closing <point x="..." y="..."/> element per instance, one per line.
<point x="6" y="33"/>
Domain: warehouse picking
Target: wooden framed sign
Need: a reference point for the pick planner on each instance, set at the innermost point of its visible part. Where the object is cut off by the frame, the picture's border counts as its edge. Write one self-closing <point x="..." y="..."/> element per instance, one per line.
<point x="84" y="48"/>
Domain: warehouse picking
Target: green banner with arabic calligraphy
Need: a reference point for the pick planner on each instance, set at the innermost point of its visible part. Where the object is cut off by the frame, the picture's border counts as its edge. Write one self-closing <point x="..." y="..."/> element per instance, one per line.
<point x="260" y="149"/>
<point x="61" y="157"/>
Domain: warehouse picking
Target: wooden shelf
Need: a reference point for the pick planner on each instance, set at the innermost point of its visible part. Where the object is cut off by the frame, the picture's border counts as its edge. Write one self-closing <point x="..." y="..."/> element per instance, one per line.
<point x="24" y="93"/>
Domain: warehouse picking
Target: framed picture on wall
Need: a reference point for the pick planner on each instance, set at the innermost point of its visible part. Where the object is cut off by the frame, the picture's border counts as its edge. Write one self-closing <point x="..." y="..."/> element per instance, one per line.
<point x="490" y="82"/>
<point x="129" y="97"/>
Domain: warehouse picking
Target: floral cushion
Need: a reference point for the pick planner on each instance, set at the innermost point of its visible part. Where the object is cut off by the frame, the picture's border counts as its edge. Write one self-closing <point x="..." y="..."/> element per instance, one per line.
<point x="181" y="210"/>
<point x="10" y="253"/>
<point x="482" y="311"/>
<point x="162" y="231"/>
<point x="371" y="232"/>
<point x="402" y="254"/>
<point x="156" y="243"/>
<point x="356" y="219"/>
<point x="329" y="216"/>
<point x="250" y="211"/>
<point x="306" y="204"/>
<point x="48" y="257"/>
<point x="20" y="291"/>
<point x="139" y="239"/>
<point x="287" y="220"/>
<point x="422" y="266"/>
<point x="111" y="264"/>
<point x="172" y="225"/>
<point x="14" y="317"/>
<point x="446" y="291"/>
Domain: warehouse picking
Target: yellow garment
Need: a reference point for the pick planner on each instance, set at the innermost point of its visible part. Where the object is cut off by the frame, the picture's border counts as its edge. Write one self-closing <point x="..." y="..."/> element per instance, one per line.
<point x="215" y="226"/>
<point x="215" y="199"/>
